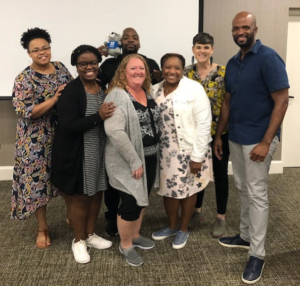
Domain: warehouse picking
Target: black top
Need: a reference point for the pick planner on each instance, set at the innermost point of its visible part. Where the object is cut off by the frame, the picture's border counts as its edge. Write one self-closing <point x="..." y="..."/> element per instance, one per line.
<point x="148" y="118"/>
<point x="68" y="145"/>
<point x="109" y="67"/>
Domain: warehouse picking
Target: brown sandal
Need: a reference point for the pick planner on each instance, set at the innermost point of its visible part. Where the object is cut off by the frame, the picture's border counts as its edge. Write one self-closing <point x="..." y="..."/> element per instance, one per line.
<point x="46" y="244"/>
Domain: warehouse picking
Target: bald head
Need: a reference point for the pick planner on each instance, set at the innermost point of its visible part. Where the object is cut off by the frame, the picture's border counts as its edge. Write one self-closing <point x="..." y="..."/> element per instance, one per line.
<point x="245" y="15"/>
<point x="244" y="30"/>
<point x="130" y="41"/>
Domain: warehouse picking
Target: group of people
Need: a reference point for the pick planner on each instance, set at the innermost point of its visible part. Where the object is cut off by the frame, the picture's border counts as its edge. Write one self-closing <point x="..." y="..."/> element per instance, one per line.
<point x="130" y="127"/>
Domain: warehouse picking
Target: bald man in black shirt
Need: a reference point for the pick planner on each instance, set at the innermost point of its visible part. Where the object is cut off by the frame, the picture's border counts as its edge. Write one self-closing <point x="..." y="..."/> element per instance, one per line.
<point x="130" y="44"/>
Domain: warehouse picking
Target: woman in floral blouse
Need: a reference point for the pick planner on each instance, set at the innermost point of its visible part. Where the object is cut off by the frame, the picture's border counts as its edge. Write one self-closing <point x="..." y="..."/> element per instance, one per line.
<point x="211" y="76"/>
<point x="185" y="155"/>
<point x="35" y="93"/>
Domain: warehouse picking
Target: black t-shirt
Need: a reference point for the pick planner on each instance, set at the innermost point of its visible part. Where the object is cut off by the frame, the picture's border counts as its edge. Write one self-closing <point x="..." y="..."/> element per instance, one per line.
<point x="148" y="118"/>
<point x="109" y="67"/>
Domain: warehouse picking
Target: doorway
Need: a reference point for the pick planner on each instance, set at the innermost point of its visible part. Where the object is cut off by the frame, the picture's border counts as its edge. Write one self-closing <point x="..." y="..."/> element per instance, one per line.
<point x="291" y="124"/>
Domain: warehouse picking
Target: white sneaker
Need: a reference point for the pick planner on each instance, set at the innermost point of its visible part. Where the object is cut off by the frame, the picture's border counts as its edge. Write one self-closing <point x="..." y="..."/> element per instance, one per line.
<point x="80" y="252"/>
<point x="98" y="242"/>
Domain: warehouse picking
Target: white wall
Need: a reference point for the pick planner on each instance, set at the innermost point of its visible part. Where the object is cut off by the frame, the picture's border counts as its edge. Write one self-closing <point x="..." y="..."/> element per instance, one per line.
<point x="163" y="26"/>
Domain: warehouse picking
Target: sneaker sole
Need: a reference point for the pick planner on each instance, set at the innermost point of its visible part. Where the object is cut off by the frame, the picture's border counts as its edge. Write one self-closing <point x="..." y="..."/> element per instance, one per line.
<point x="90" y="245"/>
<point x="143" y="247"/>
<point x="162" y="237"/>
<point x="234" y="246"/>
<point x="128" y="261"/>
<point x="254" y="281"/>
<point x="179" y="246"/>
<point x="81" y="261"/>
<point x="134" y="264"/>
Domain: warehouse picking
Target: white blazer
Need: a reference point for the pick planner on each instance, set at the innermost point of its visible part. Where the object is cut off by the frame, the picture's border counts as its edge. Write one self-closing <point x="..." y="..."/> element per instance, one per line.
<point x="192" y="114"/>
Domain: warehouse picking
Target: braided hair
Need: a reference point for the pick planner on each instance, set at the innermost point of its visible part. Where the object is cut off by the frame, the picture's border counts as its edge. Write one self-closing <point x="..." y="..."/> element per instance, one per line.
<point x="83" y="49"/>
<point x="35" y="33"/>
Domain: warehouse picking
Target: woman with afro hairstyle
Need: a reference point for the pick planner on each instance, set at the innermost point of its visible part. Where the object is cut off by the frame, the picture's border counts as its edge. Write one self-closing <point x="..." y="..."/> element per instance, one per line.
<point x="78" y="150"/>
<point x="35" y="93"/>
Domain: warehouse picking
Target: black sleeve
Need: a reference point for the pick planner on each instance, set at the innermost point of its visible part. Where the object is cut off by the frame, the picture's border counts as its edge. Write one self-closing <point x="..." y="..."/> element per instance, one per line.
<point x="70" y="117"/>
<point x="103" y="76"/>
<point x="107" y="71"/>
<point x="152" y="65"/>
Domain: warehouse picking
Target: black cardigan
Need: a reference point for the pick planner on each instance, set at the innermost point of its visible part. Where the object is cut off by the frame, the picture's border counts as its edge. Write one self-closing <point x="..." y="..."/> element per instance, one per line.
<point x="67" y="148"/>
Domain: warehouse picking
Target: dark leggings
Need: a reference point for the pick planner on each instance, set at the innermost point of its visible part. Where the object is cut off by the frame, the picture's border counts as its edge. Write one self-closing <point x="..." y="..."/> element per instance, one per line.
<point x="112" y="197"/>
<point x="220" y="168"/>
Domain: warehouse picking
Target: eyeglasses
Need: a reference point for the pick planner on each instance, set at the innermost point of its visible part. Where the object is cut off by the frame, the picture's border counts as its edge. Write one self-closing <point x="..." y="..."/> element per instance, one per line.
<point x="36" y="51"/>
<point x="84" y="65"/>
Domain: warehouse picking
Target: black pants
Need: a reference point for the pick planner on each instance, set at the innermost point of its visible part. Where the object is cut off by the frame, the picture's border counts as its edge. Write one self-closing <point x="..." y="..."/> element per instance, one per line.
<point x="112" y="198"/>
<point x="220" y="168"/>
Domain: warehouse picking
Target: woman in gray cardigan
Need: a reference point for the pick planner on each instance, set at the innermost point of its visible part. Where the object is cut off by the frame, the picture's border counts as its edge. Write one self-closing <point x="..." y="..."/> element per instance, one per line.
<point x="131" y="150"/>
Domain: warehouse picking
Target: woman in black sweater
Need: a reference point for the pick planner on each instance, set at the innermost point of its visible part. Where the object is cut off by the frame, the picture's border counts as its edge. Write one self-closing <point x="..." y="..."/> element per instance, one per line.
<point x="78" y="151"/>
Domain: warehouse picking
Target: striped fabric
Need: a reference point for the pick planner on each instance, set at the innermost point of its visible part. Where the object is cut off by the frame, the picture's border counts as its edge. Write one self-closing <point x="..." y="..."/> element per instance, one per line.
<point x="94" y="174"/>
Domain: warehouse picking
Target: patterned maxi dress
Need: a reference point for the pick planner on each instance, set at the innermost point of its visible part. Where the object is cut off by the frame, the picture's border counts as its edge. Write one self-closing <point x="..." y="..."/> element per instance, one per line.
<point x="176" y="180"/>
<point x="31" y="188"/>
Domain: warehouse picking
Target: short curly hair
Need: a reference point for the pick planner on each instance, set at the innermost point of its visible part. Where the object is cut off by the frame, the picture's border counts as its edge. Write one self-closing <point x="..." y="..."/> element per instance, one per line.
<point x="35" y="33"/>
<point x="172" y="55"/>
<point x="84" y="49"/>
<point x="119" y="80"/>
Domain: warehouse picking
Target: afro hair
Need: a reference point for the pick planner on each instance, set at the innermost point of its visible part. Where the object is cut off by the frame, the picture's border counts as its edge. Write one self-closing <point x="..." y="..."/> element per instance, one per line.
<point x="35" y="33"/>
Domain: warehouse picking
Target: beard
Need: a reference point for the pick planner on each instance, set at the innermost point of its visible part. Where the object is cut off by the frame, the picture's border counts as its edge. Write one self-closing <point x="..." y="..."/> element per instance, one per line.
<point x="248" y="43"/>
<point x="131" y="50"/>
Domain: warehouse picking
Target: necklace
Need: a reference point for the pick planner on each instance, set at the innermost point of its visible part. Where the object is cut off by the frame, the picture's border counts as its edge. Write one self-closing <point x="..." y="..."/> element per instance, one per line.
<point x="94" y="89"/>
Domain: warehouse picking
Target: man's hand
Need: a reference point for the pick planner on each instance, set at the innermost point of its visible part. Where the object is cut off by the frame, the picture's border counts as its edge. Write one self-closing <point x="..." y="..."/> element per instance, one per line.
<point x="259" y="152"/>
<point x="103" y="50"/>
<point x="156" y="75"/>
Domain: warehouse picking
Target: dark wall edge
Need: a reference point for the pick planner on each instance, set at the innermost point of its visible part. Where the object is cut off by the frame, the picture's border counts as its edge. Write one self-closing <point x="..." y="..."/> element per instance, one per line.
<point x="201" y="14"/>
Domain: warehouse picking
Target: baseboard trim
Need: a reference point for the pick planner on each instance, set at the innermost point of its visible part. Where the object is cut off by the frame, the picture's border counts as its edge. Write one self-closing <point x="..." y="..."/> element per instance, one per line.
<point x="275" y="168"/>
<point x="6" y="172"/>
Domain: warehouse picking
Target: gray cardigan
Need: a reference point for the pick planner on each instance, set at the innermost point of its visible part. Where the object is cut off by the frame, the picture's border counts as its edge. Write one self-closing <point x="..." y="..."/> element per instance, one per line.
<point x="124" y="148"/>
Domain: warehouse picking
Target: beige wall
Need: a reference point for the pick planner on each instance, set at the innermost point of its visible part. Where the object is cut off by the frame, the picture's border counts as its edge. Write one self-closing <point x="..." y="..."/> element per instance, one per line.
<point x="272" y="21"/>
<point x="8" y="122"/>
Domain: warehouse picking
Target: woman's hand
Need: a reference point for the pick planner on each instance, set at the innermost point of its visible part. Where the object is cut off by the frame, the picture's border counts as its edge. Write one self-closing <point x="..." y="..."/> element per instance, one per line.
<point x="138" y="173"/>
<point x="58" y="92"/>
<point x="107" y="109"/>
<point x="195" y="167"/>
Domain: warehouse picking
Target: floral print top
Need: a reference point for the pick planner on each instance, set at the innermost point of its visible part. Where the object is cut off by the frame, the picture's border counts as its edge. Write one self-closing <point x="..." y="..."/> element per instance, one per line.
<point x="31" y="187"/>
<point x="214" y="87"/>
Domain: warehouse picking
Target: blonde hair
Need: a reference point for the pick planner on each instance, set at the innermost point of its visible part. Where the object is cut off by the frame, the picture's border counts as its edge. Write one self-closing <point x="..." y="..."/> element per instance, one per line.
<point x="119" y="80"/>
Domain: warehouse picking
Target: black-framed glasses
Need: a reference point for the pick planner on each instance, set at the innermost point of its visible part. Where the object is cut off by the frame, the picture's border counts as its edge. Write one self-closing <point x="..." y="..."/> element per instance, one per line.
<point x="84" y="65"/>
<point x="43" y="49"/>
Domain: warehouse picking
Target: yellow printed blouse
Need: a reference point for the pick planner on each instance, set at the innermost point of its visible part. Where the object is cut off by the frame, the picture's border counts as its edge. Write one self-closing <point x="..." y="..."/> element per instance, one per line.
<point x="214" y="87"/>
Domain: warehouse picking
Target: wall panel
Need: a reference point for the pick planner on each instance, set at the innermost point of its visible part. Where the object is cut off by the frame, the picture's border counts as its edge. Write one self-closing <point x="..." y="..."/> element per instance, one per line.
<point x="272" y="21"/>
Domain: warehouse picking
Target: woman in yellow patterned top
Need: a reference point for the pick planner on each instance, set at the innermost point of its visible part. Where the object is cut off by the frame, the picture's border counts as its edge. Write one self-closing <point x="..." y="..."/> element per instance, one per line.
<point x="211" y="76"/>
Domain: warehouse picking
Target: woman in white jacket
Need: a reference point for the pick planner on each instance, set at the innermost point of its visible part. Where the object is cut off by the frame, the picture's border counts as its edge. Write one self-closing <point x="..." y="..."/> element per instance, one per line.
<point x="185" y="162"/>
